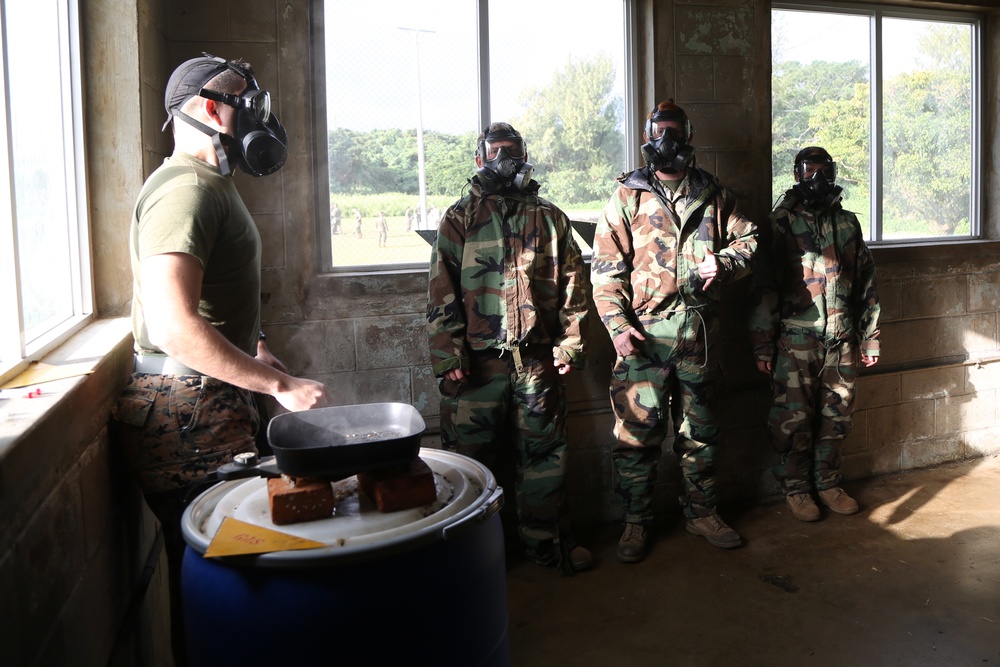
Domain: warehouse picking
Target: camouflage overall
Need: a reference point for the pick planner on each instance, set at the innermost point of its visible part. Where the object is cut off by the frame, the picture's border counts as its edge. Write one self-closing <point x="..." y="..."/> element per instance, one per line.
<point x="517" y="399"/>
<point x="644" y="272"/>
<point x="507" y="297"/>
<point x="813" y="402"/>
<point x="668" y="380"/>
<point x="817" y="312"/>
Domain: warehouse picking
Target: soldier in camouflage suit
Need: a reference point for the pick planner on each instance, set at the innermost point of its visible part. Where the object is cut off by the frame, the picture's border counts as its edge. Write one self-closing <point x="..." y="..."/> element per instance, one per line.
<point x="506" y="306"/>
<point x="669" y="238"/>
<point x="817" y="318"/>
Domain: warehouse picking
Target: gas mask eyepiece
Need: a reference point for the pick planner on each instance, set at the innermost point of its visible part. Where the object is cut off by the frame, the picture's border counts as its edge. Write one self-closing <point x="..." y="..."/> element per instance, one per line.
<point x="816" y="176"/>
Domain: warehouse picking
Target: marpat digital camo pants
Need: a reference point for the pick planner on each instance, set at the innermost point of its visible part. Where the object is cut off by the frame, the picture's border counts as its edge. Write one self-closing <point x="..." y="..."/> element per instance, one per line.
<point x="668" y="379"/>
<point x="173" y="429"/>
<point x="813" y="403"/>
<point x="506" y="403"/>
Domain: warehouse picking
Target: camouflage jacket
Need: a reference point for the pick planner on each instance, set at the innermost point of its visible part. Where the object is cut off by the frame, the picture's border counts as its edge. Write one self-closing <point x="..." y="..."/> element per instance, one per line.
<point x="505" y="271"/>
<point x="818" y="277"/>
<point x="646" y="252"/>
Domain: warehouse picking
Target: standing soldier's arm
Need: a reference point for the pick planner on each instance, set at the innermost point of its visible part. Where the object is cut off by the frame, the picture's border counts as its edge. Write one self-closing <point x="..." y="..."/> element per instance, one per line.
<point x="865" y="302"/>
<point x="446" y="326"/>
<point x="611" y="266"/>
<point x="764" y="294"/>
<point x="740" y="245"/>
<point x="570" y="346"/>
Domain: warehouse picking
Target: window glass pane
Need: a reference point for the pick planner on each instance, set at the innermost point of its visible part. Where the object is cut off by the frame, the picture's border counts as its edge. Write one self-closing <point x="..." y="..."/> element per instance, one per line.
<point x="927" y="128"/>
<point x="566" y="95"/>
<point x="36" y="111"/>
<point x="397" y="86"/>
<point x="820" y="96"/>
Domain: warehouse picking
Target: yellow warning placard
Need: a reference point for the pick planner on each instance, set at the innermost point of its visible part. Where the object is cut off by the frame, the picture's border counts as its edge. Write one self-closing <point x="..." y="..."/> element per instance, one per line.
<point x="237" y="538"/>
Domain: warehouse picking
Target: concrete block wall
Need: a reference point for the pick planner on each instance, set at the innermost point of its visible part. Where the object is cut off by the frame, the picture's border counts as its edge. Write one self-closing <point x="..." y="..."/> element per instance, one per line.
<point x="76" y="540"/>
<point x="933" y="396"/>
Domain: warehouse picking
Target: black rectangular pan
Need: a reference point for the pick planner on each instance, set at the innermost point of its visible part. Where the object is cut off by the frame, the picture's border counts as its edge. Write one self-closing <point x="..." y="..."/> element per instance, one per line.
<point x="337" y="442"/>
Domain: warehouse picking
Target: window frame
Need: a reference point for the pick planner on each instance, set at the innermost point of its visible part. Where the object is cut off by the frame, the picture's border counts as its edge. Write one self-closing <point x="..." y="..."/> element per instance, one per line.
<point x="16" y="351"/>
<point x="322" y="168"/>
<point x="876" y="13"/>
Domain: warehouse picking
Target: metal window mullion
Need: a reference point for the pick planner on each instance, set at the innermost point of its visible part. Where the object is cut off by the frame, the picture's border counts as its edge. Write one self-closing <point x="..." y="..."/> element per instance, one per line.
<point x="976" y="195"/>
<point x="875" y="118"/>
<point x="11" y="316"/>
<point x="72" y="145"/>
<point x="631" y="83"/>
<point x="483" y="25"/>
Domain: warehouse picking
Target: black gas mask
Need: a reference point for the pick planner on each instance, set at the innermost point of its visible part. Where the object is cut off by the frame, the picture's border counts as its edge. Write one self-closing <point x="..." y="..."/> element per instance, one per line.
<point x="668" y="149"/>
<point x="259" y="144"/>
<point x="819" y="188"/>
<point x="507" y="168"/>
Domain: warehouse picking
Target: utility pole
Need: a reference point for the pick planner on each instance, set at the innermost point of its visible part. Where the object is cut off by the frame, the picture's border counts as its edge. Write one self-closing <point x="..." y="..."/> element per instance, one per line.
<point x="420" y="129"/>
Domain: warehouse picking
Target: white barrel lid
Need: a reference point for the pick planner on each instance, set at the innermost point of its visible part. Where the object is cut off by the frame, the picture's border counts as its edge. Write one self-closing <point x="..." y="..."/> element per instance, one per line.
<point x="467" y="494"/>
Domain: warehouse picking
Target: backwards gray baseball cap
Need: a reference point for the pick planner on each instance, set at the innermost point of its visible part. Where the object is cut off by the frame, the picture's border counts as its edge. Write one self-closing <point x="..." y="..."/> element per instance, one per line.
<point x="188" y="79"/>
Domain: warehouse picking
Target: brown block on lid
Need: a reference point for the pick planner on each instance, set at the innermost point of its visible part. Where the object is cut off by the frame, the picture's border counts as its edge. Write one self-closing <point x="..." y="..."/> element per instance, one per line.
<point x="400" y="489"/>
<point x="298" y="499"/>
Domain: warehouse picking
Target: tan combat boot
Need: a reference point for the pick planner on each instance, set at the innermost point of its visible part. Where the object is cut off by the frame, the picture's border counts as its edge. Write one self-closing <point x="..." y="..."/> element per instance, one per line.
<point x="802" y="506"/>
<point x="838" y="501"/>
<point x="715" y="530"/>
<point x="632" y="545"/>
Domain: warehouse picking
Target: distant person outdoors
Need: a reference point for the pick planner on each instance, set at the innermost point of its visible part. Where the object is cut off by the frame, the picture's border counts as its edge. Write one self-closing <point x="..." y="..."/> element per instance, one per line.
<point x="816" y="321"/>
<point x="669" y="239"/>
<point x="507" y="301"/>
<point x="382" y="227"/>
<point x="409" y="219"/>
<point x="195" y="255"/>
<point x="357" y="223"/>
<point x="335" y="216"/>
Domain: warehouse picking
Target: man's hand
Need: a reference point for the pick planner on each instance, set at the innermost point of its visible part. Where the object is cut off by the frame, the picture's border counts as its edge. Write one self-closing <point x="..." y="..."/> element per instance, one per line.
<point x="455" y="375"/>
<point x="561" y="368"/>
<point x="765" y="366"/>
<point x="708" y="269"/>
<point x="869" y="360"/>
<point x="303" y="394"/>
<point x="627" y="342"/>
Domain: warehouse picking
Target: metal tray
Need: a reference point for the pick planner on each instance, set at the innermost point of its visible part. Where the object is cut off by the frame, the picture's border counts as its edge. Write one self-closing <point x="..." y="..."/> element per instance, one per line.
<point x="341" y="441"/>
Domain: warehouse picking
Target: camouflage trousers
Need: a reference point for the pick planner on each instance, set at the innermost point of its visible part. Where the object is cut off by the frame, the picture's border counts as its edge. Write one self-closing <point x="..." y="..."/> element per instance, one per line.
<point x="671" y="378"/>
<point x="813" y="403"/>
<point x="173" y="429"/>
<point x="518" y="400"/>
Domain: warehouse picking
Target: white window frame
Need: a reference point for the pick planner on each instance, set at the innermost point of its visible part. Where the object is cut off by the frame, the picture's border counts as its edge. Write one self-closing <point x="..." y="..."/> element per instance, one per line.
<point x="875" y="14"/>
<point x="630" y="14"/>
<point x="16" y="351"/>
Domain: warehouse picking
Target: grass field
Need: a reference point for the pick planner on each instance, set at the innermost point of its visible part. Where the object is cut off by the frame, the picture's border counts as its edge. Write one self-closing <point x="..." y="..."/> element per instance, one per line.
<point x="401" y="248"/>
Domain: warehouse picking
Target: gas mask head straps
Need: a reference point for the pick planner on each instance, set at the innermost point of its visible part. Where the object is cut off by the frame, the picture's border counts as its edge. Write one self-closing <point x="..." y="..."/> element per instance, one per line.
<point x="259" y="142"/>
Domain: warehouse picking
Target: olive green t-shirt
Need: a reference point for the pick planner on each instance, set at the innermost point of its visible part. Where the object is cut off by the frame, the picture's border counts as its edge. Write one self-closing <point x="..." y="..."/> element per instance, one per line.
<point x="188" y="206"/>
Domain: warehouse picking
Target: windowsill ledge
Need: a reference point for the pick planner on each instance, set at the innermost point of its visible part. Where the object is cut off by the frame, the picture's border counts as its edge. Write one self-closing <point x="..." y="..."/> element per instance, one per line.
<point x="105" y="346"/>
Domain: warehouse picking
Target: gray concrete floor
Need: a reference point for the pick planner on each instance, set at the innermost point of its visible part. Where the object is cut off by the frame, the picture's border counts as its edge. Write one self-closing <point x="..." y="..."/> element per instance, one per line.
<point x="914" y="579"/>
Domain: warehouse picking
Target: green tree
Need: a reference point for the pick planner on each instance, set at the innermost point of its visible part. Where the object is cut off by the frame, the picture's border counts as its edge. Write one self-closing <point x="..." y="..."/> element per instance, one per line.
<point x="819" y="103"/>
<point x="573" y="130"/>
<point x="449" y="161"/>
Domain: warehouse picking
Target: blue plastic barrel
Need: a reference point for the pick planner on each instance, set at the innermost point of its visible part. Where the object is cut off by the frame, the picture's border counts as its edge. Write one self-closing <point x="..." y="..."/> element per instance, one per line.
<point x="429" y="592"/>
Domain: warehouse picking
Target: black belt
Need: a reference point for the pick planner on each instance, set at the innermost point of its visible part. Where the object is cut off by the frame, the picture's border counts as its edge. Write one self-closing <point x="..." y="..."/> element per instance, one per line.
<point x="161" y="364"/>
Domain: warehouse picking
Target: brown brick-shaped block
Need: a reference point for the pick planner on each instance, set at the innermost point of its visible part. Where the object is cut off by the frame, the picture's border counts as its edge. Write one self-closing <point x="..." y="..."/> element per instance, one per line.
<point x="399" y="489"/>
<point x="298" y="499"/>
